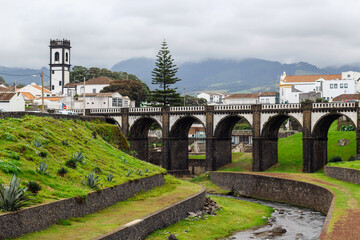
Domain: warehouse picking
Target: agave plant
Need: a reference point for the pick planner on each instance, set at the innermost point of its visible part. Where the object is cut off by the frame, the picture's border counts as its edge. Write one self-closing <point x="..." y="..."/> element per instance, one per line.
<point x="109" y="177"/>
<point x="78" y="157"/>
<point x="129" y="173"/>
<point x="37" y="143"/>
<point x="92" y="180"/>
<point x="12" y="198"/>
<point x="42" y="168"/>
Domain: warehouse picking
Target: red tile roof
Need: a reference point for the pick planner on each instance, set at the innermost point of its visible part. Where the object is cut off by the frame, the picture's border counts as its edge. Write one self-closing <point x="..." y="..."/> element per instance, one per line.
<point x="39" y="88"/>
<point x="267" y="94"/>
<point x="311" y="78"/>
<point x="28" y="95"/>
<point x="100" y="80"/>
<point x="6" y="96"/>
<point x="242" y="95"/>
<point x="344" y="97"/>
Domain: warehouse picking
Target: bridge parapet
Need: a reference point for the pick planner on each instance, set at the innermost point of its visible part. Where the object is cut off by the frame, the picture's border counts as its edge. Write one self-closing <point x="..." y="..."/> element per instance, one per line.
<point x="334" y="105"/>
<point x="282" y="106"/>
<point x="105" y="110"/>
<point x="233" y="107"/>
<point x="147" y="109"/>
<point x="183" y="109"/>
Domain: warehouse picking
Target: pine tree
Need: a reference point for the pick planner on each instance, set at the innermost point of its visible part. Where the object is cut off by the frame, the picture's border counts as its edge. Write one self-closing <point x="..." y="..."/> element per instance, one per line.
<point x="164" y="75"/>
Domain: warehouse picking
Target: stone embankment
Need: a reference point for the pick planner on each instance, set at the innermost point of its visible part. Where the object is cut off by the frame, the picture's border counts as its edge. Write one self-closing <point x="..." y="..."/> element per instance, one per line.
<point x="343" y="174"/>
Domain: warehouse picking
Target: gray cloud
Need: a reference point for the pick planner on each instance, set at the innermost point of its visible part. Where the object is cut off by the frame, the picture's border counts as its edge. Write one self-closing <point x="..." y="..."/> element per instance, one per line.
<point x="322" y="32"/>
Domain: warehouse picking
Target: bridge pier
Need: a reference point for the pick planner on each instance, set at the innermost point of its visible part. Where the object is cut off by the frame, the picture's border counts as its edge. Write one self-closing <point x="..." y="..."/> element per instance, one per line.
<point x="221" y="152"/>
<point x="140" y="145"/>
<point x="179" y="154"/>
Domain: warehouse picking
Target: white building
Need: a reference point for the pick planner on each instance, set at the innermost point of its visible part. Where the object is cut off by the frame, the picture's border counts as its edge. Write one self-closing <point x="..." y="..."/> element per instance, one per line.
<point x="268" y="97"/>
<point x="34" y="90"/>
<point x="252" y="98"/>
<point x="12" y="102"/>
<point x="94" y="85"/>
<point x="212" y="97"/>
<point x="329" y="86"/>
<point x="98" y="100"/>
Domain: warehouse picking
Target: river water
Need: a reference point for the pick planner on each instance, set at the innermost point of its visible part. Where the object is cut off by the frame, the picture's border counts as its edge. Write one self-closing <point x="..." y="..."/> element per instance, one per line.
<point x="300" y="223"/>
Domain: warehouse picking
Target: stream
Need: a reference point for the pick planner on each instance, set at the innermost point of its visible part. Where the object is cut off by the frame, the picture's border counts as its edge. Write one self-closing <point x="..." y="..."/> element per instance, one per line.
<point x="300" y="223"/>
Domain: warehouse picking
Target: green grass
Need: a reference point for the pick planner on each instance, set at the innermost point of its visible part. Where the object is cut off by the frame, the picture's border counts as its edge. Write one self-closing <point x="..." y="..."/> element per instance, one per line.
<point x="351" y="164"/>
<point x="20" y="153"/>
<point x="113" y="217"/>
<point x="196" y="156"/>
<point x="235" y="215"/>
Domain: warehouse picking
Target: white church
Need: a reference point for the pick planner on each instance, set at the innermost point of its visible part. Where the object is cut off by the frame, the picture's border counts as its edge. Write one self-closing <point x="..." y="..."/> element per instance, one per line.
<point x="72" y="93"/>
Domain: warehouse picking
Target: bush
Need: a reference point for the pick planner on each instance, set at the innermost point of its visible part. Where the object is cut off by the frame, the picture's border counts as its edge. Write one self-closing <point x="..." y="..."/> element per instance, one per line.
<point x="42" y="168"/>
<point x="335" y="159"/>
<point x="43" y="154"/>
<point x="92" y="180"/>
<point x="14" y="155"/>
<point x="62" y="171"/>
<point x="71" y="163"/>
<point x="94" y="135"/>
<point x="33" y="187"/>
<point x="8" y="167"/>
<point x="351" y="158"/>
<point x="12" y="198"/>
<point x="97" y="170"/>
<point x="65" y="142"/>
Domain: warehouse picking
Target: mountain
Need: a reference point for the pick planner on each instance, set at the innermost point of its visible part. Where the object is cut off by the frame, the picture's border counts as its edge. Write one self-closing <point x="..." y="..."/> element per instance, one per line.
<point x="24" y="75"/>
<point x="248" y="75"/>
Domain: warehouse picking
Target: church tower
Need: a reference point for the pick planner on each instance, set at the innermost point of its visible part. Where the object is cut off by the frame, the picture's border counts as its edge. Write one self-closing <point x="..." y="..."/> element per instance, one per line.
<point x="59" y="65"/>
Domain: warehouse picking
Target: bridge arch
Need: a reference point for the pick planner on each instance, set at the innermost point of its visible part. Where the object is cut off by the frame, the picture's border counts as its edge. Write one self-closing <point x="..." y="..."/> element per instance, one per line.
<point x="320" y="137"/>
<point x="138" y="136"/>
<point x="222" y="141"/>
<point x="179" y="142"/>
<point x="268" y="152"/>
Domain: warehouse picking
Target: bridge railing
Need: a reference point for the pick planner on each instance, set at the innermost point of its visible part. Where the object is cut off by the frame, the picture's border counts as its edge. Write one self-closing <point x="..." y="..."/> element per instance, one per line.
<point x="334" y="105"/>
<point x="233" y="107"/>
<point x="146" y="109"/>
<point x="105" y="110"/>
<point x="182" y="109"/>
<point x="281" y="106"/>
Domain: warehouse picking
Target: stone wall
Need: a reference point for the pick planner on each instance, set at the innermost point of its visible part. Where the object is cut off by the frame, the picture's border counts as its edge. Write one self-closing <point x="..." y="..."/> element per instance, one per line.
<point x="140" y="228"/>
<point x="275" y="189"/>
<point x="39" y="217"/>
<point x="343" y="174"/>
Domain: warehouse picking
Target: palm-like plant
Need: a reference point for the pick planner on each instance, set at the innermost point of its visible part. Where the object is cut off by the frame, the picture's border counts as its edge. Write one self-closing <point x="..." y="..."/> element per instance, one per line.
<point x="12" y="198"/>
<point x="92" y="180"/>
<point x="78" y="157"/>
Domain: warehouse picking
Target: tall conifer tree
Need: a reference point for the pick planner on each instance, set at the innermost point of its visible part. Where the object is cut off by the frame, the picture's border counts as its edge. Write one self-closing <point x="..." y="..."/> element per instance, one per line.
<point x="164" y="75"/>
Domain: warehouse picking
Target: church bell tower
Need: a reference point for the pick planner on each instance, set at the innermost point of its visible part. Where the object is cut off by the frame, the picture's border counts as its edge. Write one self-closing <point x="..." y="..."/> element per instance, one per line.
<point x="59" y="65"/>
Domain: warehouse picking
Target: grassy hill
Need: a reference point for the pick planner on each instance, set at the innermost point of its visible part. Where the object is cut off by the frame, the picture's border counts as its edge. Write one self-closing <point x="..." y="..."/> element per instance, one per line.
<point x="29" y="141"/>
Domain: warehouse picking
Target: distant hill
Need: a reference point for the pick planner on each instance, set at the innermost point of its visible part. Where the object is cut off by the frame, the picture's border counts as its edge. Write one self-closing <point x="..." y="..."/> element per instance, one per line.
<point x="248" y="75"/>
<point x="23" y="75"/>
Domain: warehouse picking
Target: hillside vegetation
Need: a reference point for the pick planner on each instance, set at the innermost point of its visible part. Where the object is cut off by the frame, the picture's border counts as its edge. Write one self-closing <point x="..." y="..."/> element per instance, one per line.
<point x="29" y="142"/>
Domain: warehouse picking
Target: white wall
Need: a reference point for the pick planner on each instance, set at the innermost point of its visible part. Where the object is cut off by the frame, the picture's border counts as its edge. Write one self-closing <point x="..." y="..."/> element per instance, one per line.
<point x="16" y="104"/>
<point x="267" y="99"/>
<point x="234" y="101"/>
<point x="90" y="88"/>
<point x="335" y="88"/>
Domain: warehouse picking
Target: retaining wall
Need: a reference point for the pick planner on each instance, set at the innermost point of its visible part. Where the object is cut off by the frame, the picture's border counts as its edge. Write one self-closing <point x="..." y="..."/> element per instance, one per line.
<point x="343" y="174"/>
<point x="279" y="190"/>
<point x="140" y="228"/>
<point x="39" y="217"/>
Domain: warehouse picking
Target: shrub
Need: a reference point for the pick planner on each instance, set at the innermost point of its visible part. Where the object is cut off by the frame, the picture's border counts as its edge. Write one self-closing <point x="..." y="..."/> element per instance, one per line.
<point x="65" y="222"/>
<point x="8" y="167"/>
<point x="71" y="163"/>
<point x="106" y="138"/>
<point x="33" y="187"/>
<point x="335" y="159"/>
<point x="62" y="171"/>
<point x="347" y="128"/>
<point x="12" y="198"/>
<point x="65" y="142"/>
<point x="129" y="173"/>
<point x="37" y="143"/>
<point x="14" y="155"/>
<point x="43" y="154"/>
<point x="139" y="172"/>
<point x="146" y="170"/>
<point x="97" y="170"/>
<point x="351" y="158"/>
<point x="109" y="177"/>
<point x="42" y="168"/>
<point x="92" y="180"/>
<point x="9" y="137"/>
<point x="94" y="135"/>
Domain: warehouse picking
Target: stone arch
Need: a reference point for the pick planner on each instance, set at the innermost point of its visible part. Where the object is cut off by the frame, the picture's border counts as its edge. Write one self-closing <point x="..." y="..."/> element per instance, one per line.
<point x="319" y="135"/>
<point x="178" y="137"/>
<point x="225" y="126"/>
<point x="138" y="136"/>
<point x="268" y="151"/>
<point x="221" y="145"/>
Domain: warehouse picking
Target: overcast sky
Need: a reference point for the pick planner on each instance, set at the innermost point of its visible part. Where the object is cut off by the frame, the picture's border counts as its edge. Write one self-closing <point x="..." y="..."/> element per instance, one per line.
<point x="102" y="33"/>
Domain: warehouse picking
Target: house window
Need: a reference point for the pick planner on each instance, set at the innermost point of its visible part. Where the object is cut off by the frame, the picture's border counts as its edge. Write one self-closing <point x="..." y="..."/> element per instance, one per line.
<point x="92" y="103"/>
<point x="94" y="90"/>
<point x="345" y="85"/>
<point x="66" y="57"/>
<point x="349" y="75"/>
<point x="60" y="83"/>
<point x="267" y="100"/>
<point x="341" y="85"/>
<point x="104" y="102"/>
<point x="117" y="102"/>
<point x="331" y="86"/>
<point x="53" y="72"/>
<point x="57" y="56"/>
<point x="335" y="85"/>
<point x="52" y="87"/>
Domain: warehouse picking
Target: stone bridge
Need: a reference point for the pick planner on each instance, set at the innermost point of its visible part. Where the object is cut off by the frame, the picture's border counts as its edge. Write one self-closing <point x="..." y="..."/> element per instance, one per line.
<point x="219" y="121"/>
